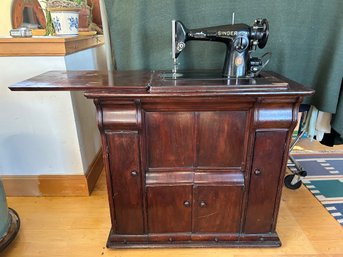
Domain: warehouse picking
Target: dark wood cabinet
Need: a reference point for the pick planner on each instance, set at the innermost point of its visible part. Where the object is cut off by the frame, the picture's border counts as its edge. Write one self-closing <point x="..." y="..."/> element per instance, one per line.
<point x="189" y="162"/>
<point x="123" y="149"/>
<point x="217" y="209"/>
<point x="269" y="149"/>
<point x="221" y="138"/>
<point x="169" y="209"/>
<point x="170" y="146"/>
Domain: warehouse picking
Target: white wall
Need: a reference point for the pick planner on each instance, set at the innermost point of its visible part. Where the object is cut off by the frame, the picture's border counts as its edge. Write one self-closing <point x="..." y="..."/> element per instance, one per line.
<point x="38" y="134"/>
<point x="5" y="17"/>
<point x="84" y="109"/>
<point x="47" y="132"/>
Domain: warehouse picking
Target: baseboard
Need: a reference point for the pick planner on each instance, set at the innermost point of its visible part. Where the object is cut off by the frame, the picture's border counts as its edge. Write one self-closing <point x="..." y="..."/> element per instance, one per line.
<point x="94" y="171"/>
<point x="55" y="185"/>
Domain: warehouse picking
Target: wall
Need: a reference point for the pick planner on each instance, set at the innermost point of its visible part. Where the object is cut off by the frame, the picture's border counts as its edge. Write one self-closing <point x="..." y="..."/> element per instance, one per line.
<point x="47" y="133"/>
<point x="5" y="17"/>
<point x="84" y="109"/>
<point x="38" y="134"/>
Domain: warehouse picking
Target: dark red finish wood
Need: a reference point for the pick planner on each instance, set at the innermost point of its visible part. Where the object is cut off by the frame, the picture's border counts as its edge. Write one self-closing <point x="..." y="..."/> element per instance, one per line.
<point x="171" y="145"/>
<point x="217" y="209"/>
<point x="169" y="209"/>
<point x="190" y="162"/>
<point x="221" y="138"/>
<point x="137" y="84"/>
<point x="126" y="182"/>
<point x="265" y="173"/>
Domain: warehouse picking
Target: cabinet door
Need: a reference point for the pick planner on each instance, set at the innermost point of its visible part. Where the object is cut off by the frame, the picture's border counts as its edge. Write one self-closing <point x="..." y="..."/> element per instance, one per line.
<point x="169" y="209"/>
<point x="217" y="209"/>
<point x="264" y="182"/>
<point x="126" y="183"/>
<point x="170" y="139"/>
<point x="221" y="138"/>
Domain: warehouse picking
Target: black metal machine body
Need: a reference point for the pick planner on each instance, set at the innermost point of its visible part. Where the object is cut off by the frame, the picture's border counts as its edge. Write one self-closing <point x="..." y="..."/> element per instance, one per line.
<point x="240" y="40"/>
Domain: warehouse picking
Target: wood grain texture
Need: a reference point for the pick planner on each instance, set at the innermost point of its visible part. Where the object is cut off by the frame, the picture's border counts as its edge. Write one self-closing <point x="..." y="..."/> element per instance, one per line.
<point x="217" y="209"/>
<point x="170" y="137"/>
<point x="135" y="84"/>
<point x="222" y="139"/>
<point x="169" y="209"/>
<point x="126" y="183"/>
<point x="47" y="46"/>
<point x="268" y="158"/>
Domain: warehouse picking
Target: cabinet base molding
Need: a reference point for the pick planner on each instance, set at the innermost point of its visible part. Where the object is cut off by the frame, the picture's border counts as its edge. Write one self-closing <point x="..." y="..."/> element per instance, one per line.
<point x="195" y="240"/>
<point x="55" y="185"/>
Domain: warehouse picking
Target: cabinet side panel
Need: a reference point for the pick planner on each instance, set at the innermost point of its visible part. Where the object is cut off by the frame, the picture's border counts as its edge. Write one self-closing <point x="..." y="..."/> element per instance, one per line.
<point x="126" y="182"/>
<point x="170" y="137"/>
<point x="221" y="138"/>
<point x="169" y="209"/>
<point x="266" y="168"/>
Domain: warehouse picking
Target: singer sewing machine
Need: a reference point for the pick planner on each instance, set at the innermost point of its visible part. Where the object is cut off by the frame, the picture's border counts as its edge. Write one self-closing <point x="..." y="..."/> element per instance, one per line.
<point x="240" y="40"/>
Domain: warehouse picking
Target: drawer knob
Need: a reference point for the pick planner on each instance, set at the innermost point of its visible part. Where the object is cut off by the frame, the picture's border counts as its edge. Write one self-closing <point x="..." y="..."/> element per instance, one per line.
<point x="203" y="204"/>
<point x="187" y="203"/>
<point x="134" y="173"/>
<point x="257" y="172"/>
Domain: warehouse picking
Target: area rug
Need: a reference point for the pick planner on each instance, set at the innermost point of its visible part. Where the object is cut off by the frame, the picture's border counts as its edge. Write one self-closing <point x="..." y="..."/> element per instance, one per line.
<point x="324" y="179"/>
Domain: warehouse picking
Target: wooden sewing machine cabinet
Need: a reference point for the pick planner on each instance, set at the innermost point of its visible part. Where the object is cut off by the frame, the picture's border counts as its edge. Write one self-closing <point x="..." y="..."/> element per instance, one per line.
<point x="189" y="162"/>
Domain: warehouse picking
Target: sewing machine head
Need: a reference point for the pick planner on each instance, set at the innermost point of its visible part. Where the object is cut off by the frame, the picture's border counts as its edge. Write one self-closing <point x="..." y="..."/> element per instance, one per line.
<point x="240" y="39"/>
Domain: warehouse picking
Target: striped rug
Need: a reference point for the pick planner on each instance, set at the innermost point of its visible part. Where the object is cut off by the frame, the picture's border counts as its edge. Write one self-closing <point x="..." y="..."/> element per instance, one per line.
<point x="325" y="180"/>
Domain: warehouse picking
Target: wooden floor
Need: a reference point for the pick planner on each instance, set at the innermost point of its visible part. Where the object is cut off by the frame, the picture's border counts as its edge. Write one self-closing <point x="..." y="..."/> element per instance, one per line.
<point x="78" y="226"/>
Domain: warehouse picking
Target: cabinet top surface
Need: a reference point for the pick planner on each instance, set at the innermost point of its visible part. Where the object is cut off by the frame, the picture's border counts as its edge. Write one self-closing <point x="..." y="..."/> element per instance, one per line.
<point x="159" y="83"/>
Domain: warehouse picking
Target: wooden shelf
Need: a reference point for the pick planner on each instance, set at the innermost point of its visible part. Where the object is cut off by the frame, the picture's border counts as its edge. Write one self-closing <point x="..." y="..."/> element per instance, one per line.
<point x="47" y="46"/>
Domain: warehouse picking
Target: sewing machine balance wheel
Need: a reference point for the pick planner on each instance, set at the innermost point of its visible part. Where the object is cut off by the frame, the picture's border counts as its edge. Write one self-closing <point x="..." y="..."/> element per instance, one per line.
<point x="262" y="43"/>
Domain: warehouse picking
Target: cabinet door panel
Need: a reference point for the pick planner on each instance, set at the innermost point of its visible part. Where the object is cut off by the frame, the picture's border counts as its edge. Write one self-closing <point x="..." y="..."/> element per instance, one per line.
<point x="126" y="182"/>
<point x="221" y="138"/>
<point x="169" y="209"/>
<point x="170" y="137"/>
<point x="267" y="163"/>
<point x="217" y="208"/>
